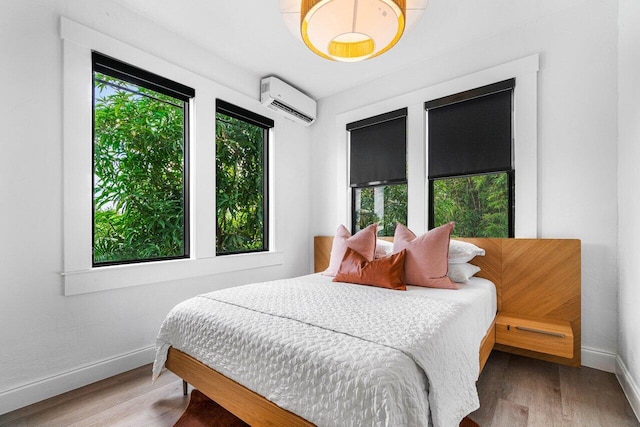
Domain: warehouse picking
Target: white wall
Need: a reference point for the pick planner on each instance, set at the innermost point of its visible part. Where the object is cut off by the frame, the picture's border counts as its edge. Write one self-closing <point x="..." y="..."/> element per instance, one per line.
<point x="577" y="132"/>
<point x="628" y="368"/>
<point x="52" y="343"/>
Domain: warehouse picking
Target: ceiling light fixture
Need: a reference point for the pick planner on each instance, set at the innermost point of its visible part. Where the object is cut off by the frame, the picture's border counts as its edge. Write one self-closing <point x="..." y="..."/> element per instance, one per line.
<point x="350" y="30"/>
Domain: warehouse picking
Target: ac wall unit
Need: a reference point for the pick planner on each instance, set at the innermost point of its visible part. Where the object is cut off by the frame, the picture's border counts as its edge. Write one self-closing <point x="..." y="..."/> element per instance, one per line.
<point x="287" y="100"/>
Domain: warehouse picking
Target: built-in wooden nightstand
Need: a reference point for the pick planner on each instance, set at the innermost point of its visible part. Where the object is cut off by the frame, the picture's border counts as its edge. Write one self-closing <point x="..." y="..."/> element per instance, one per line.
<point x="544" y="335"/>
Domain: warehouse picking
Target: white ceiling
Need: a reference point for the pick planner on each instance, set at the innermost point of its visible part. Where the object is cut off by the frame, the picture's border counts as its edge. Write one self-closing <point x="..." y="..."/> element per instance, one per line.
<point x="252" y="35"/>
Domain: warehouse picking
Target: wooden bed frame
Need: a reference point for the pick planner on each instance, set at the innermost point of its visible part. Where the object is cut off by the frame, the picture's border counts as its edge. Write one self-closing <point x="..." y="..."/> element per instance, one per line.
<point x="533" y="277"/>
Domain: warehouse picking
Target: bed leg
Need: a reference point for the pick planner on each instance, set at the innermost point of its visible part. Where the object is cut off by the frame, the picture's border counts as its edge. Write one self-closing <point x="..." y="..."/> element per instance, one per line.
<point x="185" y="388"/>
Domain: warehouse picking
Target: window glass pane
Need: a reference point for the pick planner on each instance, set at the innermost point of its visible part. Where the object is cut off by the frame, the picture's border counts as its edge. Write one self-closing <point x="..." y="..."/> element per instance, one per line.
<point x="139" y="189"/>
<point x="478" y="204"/>
<point x="384" y="204"/>
<point x="240" y="186"/>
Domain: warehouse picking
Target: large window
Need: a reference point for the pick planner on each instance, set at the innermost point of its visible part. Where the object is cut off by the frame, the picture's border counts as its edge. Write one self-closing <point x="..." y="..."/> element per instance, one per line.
<point x="241" y="180"/>
<point x="140" y="168"/>
<point x="378" y="171"/>
<point x="139" y="150"/>
<point x="470" y="161"/>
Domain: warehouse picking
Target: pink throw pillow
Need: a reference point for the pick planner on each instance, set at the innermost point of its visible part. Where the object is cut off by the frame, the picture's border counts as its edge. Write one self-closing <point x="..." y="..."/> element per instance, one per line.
<point x="426" y="260"/>
<point x="363" y="242"/>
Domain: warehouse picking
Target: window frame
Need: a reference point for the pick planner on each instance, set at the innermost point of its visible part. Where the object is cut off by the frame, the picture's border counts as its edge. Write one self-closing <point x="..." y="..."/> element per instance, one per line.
<point x="121" y="70"/>
<point x="231" y="110"/>
<point x="507" y="85"/>
<point x="78" y="275"/>
<point x="376" y="120"/>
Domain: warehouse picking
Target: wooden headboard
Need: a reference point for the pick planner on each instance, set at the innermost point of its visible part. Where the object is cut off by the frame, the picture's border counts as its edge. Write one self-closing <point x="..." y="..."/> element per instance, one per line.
<point x="537" y="278"/>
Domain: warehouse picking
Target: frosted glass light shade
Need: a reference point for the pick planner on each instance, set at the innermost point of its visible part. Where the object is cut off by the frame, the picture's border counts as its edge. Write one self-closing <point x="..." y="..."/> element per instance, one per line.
<point x="350" y="30"/>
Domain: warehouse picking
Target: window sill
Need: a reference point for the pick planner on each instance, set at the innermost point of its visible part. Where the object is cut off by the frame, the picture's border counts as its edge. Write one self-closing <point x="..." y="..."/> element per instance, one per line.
<point x="124" y="276"/>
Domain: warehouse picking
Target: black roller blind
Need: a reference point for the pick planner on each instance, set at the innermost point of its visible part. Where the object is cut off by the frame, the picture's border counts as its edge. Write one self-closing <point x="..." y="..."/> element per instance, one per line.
<point x="379" y="149"/>
<point x="114" y="68"/>
<point x="470" y="133"/>
<point x="240" y="113"/>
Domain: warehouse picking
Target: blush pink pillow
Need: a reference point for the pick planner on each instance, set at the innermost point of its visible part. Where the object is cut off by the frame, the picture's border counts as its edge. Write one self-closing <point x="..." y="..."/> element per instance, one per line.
<point x="426" y="259"/>
<point x="363" y="242"/>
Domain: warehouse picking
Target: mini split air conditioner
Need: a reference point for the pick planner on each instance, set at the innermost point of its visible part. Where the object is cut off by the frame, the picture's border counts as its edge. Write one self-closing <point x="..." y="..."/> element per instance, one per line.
<point x="287" y="100"/>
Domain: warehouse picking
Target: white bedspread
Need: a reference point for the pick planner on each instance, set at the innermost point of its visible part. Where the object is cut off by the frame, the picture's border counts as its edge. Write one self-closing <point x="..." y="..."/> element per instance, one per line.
<point x="334" y="353"/>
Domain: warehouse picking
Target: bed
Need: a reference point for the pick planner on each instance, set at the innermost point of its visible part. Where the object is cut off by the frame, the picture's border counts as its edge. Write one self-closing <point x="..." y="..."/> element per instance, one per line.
<point x="301" y="389"/>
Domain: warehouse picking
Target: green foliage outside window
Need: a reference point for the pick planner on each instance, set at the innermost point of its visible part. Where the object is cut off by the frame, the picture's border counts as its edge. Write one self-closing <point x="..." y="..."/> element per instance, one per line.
<point x="391" y="209"/>
<point x="240" y="186"/>
<point x="478" y="204"/>
<point x="139" y="176"/>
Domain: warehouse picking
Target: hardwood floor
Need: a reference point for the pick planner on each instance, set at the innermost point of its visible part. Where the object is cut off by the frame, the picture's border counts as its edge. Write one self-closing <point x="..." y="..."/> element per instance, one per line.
<point x="127" y="399"/>
<point x="514" y="391"/>
<point x="519" y="391"/>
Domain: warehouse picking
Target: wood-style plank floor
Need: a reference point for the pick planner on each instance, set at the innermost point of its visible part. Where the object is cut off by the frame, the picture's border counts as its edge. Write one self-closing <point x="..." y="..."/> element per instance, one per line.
<point x="519" y="391"/>
<point x="514" y="391"/>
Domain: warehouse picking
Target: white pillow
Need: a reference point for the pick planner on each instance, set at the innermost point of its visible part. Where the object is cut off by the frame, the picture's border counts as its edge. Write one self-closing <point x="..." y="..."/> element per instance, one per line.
<point x="383" y="248"/>
<point x="461" y="252"/>
<point x="461" y="273"/>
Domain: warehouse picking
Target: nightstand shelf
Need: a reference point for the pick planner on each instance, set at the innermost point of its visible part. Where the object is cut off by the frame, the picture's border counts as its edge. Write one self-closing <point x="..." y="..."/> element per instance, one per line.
<point x="540" y="334"/>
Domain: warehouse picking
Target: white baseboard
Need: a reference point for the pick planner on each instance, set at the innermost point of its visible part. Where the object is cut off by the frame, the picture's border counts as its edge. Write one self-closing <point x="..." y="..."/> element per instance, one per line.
<point x="27" y="394"/>
<point x="598" y="359"/>
<point x="629" y="386"/>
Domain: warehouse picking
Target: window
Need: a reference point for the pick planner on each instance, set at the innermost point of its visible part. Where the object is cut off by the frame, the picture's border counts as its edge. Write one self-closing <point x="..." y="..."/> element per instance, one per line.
<point x="470" y="161"/>
<point x="378" y="169"/>
<point x="241" y="180"/>
<point x="382" y="204"/>
<point x="479" y="204"/>
<point x="140" y="168"/>
<point x="154" y="79"/>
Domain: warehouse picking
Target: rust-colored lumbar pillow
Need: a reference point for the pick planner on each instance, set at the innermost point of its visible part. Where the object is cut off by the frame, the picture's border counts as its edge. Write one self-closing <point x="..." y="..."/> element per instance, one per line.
<point x="387" y="272"/>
